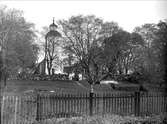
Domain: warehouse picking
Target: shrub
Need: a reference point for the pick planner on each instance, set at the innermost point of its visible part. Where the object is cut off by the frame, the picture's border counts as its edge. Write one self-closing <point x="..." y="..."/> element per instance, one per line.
<point x="108" y="119"/>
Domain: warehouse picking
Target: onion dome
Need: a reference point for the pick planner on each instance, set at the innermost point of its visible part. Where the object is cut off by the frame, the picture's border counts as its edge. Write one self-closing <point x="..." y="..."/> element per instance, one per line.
<point x="53" y="34"/>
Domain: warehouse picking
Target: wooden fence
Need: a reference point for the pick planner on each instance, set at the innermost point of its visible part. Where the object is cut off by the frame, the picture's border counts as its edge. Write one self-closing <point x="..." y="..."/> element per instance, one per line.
<point x="19" y="109"/>
<point x="122" y="103"/>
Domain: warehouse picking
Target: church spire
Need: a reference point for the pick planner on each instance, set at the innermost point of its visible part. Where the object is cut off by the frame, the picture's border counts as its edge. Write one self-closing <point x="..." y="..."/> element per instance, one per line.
<point x="53" y="26"/>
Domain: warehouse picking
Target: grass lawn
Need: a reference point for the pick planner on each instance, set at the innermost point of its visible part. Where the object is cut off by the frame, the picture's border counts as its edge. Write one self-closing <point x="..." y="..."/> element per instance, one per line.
<point x="20" y="86"/>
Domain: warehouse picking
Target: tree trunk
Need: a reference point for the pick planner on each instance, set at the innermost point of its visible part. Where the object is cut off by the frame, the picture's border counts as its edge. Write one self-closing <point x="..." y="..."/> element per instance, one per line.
<point x="49" y="71"/>
<point x="48" y="67"/>
<point x="126" y="71"/>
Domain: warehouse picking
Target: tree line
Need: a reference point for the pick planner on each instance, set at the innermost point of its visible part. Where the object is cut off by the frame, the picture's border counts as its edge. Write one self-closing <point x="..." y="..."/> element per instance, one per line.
<point x="103" y="49"/>
<point x="98" y="49"/>
<point x="17" y="41"/>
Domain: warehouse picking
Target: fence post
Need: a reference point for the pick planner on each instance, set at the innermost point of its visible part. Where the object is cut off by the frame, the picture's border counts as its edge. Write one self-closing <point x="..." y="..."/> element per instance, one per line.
<point x="38" y="105"/>
<point x="137" y="103"/>
<point x="2" y="108"/>
<point x="16" y="102"/>
<point x="91" y="103"/>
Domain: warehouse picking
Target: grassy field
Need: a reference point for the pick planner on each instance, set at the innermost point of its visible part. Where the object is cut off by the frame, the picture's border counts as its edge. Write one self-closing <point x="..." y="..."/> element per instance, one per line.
<point x="19" y="86"/>
<point x="25" y="86"/>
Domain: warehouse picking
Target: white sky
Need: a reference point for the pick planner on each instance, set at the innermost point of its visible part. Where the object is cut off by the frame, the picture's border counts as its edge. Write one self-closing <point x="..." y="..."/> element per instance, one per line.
<point x="128" y="14"/>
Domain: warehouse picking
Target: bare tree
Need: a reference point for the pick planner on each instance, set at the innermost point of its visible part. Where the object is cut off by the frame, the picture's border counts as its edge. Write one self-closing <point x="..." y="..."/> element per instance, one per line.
<point x="80" y="40"/>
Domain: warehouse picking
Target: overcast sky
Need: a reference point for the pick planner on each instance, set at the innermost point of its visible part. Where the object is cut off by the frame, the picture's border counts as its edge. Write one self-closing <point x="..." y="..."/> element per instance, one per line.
<point x="128" y="14"/>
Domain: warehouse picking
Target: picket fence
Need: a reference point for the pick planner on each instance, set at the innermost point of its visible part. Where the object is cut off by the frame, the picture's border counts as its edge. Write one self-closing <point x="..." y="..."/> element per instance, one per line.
<point x="29" y="108"/>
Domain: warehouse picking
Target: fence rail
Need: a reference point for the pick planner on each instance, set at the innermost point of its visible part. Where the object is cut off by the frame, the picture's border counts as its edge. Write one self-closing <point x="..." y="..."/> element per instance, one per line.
<point x="19" y="109"/>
